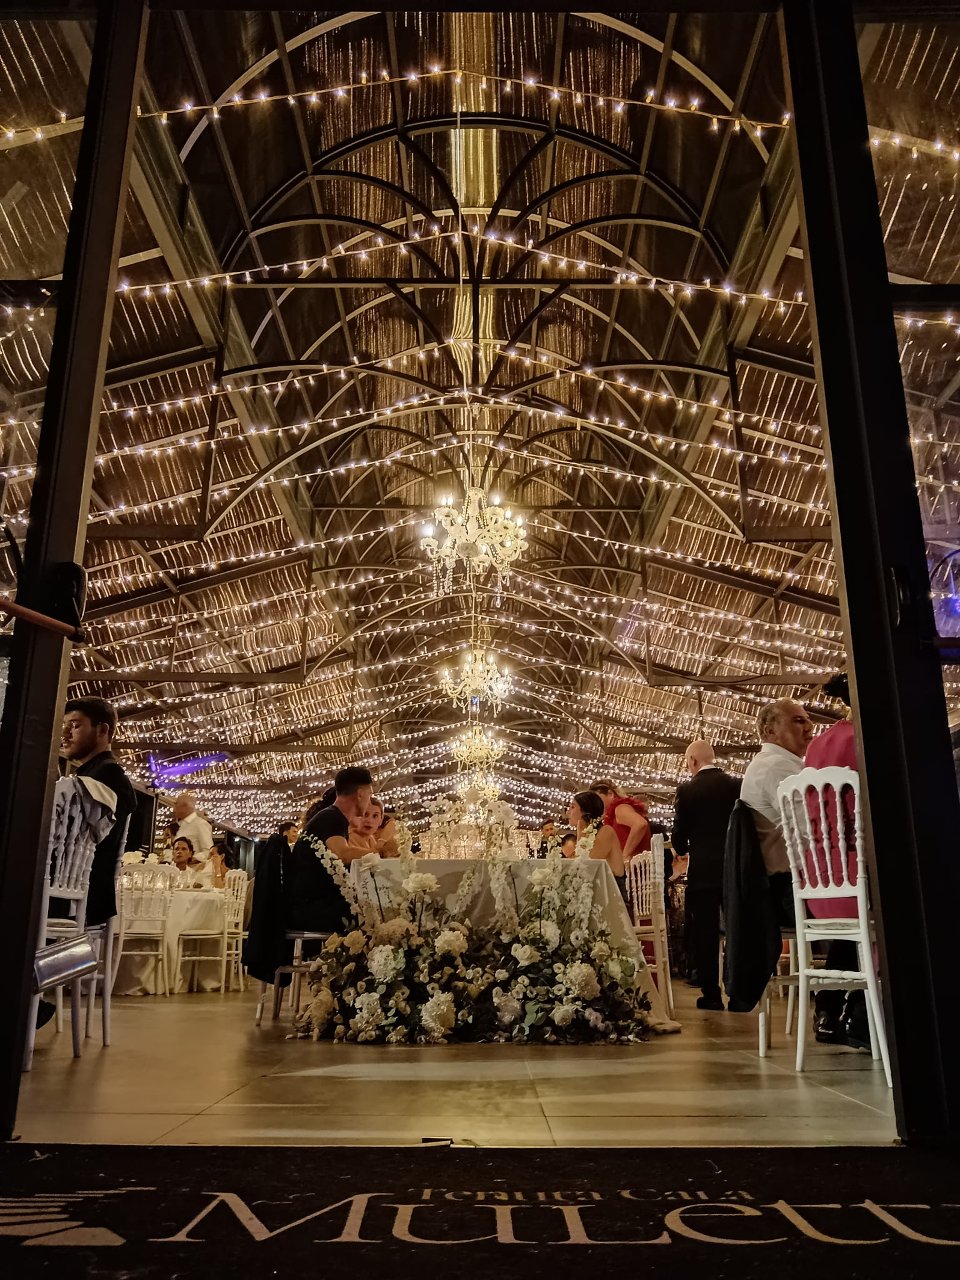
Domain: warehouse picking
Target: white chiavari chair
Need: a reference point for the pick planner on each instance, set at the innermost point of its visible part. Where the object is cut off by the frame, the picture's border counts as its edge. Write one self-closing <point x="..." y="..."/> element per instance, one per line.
<point x="146" y="894"/>
<point x="235" y="888"/>
<point x="825" y="848"/>
<point x="70" y="849"/>
<point x="645" y="894"/>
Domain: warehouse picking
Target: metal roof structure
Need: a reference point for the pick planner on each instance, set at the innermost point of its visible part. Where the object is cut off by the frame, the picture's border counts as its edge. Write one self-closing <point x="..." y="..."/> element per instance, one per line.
<point x="363" y="246"/>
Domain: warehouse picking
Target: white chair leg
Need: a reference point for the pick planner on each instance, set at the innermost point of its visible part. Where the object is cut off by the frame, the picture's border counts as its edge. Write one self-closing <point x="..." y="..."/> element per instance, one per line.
<point x="223" y="965"/>
<point x="803" y="1009"/>
<point x="58" y="998"/>
<point x="763" y="1027"/>
<point x="875" y="1012"/>
<point x="31" y="1032"/>
<point x="76" y="1014"/>
<point x="667" y="978"/>
<point x="791" y="986"/>
<point x="162" y="966"/>
<point x="260" y="1002"/>
<point x="106" y="990"/>
<point x="177" y="966"/>
<point x="91" y="1005"/>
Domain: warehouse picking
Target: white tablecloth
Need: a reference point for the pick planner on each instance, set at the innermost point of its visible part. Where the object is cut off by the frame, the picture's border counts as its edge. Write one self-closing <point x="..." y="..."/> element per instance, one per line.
<point x="606" y="895"/>
<point x="190" y="909"/>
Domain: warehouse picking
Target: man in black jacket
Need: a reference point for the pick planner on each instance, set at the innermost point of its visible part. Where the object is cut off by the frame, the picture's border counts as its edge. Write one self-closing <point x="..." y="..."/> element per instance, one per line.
<point x="88" y="728"/>
<point x="702" y="811"/>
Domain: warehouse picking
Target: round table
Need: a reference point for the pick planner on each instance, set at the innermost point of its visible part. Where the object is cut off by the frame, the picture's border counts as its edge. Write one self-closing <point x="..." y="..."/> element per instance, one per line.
<point x="190" y="909"/>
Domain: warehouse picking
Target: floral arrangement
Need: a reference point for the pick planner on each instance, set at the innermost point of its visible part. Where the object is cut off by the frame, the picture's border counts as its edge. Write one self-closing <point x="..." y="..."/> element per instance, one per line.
<point x="411" y="972"/>
<point x="138" y="858"/>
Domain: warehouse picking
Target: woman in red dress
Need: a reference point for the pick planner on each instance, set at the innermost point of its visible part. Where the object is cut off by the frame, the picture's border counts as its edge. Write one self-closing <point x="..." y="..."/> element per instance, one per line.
<point x="626" y="815"/>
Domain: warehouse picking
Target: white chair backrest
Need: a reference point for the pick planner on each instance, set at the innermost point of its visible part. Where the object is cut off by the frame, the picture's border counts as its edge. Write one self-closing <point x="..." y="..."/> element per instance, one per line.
<point x="234" y="897"/>
<point x="823" y="832"/>
<point x="146" y="893"/>
<point x="645" y="879"/>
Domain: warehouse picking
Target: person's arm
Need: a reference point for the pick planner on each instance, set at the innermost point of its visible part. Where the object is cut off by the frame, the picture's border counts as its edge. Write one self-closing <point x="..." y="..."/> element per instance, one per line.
<point x="387" y="840"/>
<point x="344" y="851"/>
<point x="680" y="837"/>
<point x="638" y="827"/>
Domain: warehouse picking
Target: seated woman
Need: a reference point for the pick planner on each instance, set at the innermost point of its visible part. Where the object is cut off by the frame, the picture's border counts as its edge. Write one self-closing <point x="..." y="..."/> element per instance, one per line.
<point x="192" y="870"/>
<point x="598" y="840"/>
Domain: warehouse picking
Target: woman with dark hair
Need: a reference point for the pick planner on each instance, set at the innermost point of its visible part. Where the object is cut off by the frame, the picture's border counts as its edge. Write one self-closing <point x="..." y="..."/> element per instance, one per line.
<point x="595" y="839"/>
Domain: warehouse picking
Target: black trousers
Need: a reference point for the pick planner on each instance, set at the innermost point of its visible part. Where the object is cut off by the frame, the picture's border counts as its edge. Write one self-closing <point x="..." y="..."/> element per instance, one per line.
<point x="703" y="935"/>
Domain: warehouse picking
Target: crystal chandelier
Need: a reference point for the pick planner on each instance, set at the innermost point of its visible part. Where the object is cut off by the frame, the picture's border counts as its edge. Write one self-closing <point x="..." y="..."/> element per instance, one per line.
<point x="479" y="786"/>
<point x="478" y="680"/>
<point x="477" y="749"/>
<point x="478" y="536"/>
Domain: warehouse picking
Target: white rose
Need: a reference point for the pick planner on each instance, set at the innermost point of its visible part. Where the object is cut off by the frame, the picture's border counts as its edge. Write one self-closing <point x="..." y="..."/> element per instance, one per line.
<point x="613" y="969"/>
<point x="563" y="1014"/>
<point x="525" y="955"/>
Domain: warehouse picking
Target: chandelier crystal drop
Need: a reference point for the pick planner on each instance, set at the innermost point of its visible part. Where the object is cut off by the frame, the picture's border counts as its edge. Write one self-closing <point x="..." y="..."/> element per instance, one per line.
<point x="477" y="749"/>
<point x="477" y="537"/>
<point x="479" y="679"/>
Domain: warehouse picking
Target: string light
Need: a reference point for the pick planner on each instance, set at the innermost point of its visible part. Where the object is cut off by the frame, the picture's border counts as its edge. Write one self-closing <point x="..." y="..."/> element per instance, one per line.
<point x="670" y="103"/>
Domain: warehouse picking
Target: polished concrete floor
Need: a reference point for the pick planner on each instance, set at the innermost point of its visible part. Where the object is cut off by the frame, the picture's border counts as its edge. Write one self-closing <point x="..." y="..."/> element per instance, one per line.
<point x="195" y="1069"/>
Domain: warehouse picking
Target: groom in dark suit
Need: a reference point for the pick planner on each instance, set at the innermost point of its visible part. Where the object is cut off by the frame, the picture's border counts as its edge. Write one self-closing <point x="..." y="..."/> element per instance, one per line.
<point x="701" y="813"/>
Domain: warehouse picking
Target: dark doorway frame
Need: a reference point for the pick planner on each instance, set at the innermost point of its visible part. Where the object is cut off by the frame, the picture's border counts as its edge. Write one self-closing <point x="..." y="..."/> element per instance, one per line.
<point x="909" y="780"/>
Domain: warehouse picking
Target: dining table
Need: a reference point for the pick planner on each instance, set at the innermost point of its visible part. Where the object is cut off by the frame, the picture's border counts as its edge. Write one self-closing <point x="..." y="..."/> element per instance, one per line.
<point x="190" y="910"/>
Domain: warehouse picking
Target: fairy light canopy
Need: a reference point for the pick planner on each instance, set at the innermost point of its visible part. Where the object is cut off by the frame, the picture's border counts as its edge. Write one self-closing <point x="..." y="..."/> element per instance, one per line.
<point x="533" y="280"/>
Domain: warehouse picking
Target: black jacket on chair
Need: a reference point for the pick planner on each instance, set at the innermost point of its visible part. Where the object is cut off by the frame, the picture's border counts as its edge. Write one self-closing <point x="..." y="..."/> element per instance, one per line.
<point x="701" y="814"/>
<point x="752" y="929"/>
<point x="267" y="947"/>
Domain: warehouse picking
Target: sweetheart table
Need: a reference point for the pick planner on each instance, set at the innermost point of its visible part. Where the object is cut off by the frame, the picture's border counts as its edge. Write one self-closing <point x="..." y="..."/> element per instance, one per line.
<point x="372" y="876"/>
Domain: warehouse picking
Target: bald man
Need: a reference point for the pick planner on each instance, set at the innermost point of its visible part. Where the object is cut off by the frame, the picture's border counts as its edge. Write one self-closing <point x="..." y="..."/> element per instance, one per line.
<point x="701" y="812"/>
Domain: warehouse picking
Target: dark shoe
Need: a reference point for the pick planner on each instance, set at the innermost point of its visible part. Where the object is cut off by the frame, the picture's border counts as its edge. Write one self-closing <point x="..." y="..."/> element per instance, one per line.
<point x="46" y="1011"/>
<point x="710" y="1002"/>
<point x="856" y="1033"/>
<point x="827" y="1027"/>
<point x="740" y="1006"/>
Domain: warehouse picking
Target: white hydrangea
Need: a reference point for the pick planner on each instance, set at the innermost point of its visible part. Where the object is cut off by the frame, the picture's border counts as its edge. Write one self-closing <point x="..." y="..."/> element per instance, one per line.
<point x="369" y="1013"/>
<point x="392" y="932"/>
<point x="581" y="979"/>
<point x="385" y="963"/>
<point x="525" y="955"/>
<point x="421" y="882"/>
<point x="438" y="1015"/>
<point x="450" y="942"/>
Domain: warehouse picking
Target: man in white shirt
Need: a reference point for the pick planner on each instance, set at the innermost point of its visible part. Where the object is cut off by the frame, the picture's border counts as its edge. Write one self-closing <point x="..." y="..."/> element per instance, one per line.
<point x="193" y="827"/>
<point x="785" y="729"/>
